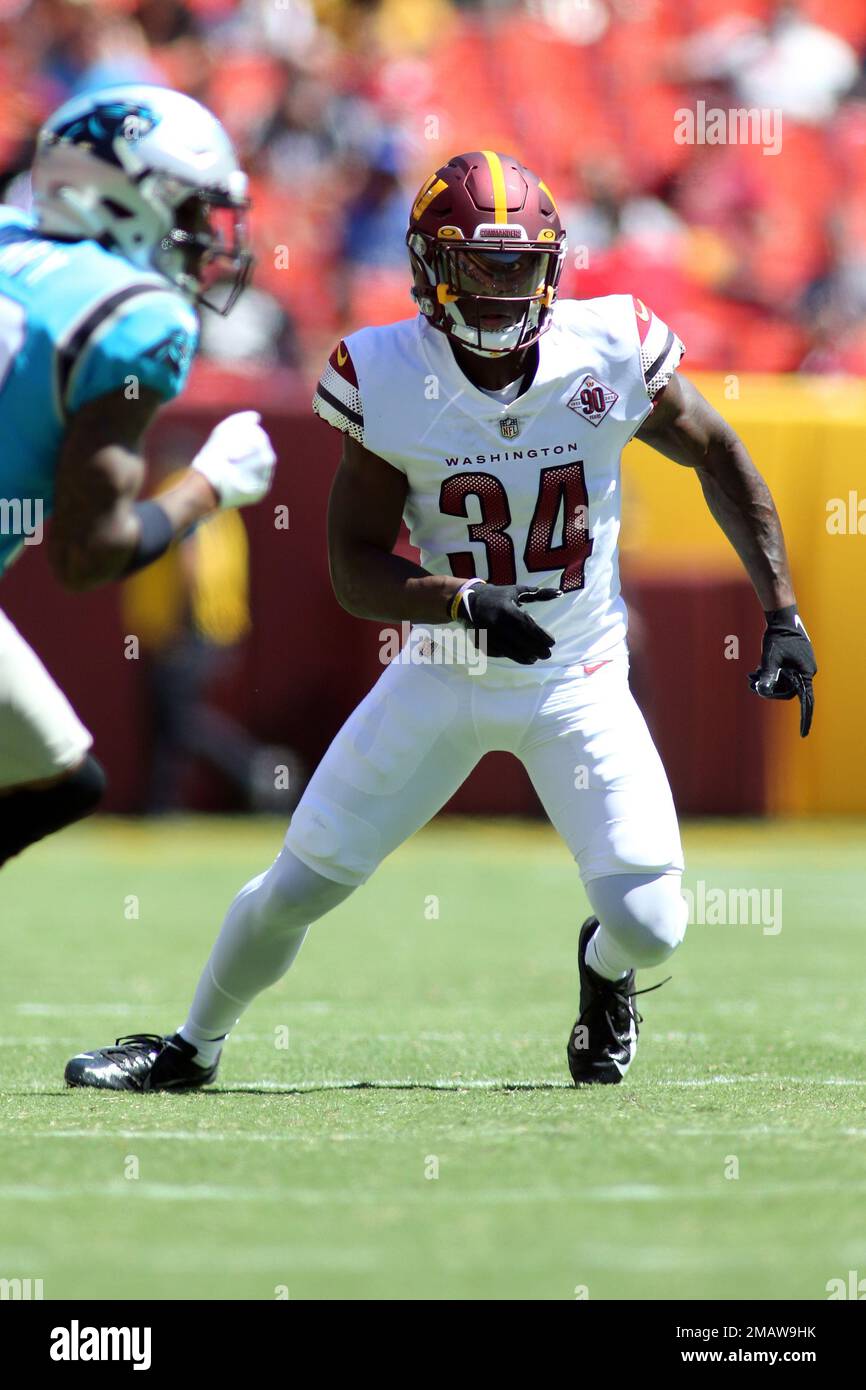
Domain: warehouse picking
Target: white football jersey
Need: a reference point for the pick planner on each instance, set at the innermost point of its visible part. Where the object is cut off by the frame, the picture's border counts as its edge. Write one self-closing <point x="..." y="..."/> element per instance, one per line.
<point x="526" y="492"/>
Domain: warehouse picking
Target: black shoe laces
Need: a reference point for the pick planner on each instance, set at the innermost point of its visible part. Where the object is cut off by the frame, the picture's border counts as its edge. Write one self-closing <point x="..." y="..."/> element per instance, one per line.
<point x="623" y="998"/>
<point x="139" y="1042"/>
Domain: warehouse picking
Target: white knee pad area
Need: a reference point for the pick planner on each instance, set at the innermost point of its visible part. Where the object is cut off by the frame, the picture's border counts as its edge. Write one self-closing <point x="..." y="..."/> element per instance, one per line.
<point x="644" y="915"/>
<point x="291" y="895"/>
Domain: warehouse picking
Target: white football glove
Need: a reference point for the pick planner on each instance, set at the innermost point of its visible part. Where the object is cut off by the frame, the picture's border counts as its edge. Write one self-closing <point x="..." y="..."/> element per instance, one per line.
<point x="237" y="459"/>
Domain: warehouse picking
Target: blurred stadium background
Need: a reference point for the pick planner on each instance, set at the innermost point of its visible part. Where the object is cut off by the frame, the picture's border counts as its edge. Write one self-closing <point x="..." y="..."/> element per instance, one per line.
<point x="305" y="1169"/>
<point x="340" y="108"/>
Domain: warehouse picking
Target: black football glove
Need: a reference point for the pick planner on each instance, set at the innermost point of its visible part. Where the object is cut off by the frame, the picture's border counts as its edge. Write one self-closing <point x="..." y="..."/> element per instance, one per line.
<point x="496" y="610"/>
<point x="787" y="663"/>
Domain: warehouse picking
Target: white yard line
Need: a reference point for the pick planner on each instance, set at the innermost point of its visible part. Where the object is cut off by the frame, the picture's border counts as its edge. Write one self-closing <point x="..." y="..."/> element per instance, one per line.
<point x="438" y="1193"/>
<point x="542" y="1084"/>
<point x="289" y="1088"/>
<point x="38" y="1010"/>
<point x="763" y="1079"/>
<point x="254" y="1136"/>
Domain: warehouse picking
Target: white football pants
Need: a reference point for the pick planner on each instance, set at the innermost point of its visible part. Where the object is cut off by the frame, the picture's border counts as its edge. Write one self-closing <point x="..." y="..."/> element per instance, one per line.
<point x="402" y="754"/>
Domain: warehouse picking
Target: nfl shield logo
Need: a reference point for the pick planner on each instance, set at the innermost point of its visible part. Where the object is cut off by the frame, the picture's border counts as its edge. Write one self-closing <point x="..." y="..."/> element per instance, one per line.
<point x="509" y="428"/>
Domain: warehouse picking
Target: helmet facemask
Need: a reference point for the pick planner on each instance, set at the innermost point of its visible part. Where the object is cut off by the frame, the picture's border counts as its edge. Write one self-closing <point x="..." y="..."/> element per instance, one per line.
<point x="206" y="254"/>
<point x="493" y="296"/>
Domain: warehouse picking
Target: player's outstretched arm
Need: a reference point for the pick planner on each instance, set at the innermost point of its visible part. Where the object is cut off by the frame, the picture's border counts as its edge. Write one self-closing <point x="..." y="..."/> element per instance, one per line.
<point x="100" y="530"/>
<point x="685" y="428"/>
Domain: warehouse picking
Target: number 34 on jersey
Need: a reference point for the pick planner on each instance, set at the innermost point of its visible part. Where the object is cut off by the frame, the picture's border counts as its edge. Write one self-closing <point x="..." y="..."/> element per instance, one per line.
<point x="523" y="492"/>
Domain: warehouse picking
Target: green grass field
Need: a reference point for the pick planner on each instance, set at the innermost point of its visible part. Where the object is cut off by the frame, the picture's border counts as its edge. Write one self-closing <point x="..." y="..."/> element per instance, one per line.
<point x="417" y="1042"/>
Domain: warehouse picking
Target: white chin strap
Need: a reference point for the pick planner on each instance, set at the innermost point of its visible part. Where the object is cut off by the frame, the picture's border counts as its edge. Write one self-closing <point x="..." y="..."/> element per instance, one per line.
<point x="493" y="343"/>
<point x="483" y="352"/>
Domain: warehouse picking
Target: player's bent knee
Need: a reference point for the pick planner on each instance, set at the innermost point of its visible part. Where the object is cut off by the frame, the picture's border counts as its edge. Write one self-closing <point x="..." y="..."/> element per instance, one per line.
<point x="31" y="813"/>
<point x="647" y="916"/>
<point x="332" y="840"/>
<point x="659" y="932"/>
<point x="293" y="895"/>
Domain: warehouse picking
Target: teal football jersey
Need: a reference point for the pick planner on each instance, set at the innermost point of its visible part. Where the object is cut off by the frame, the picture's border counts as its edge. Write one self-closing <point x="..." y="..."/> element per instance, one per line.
<point x="76" y="322"/>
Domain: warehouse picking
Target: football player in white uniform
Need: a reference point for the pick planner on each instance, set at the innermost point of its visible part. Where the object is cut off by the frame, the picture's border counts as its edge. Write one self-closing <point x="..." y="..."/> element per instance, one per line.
<point x="494" y="422"/>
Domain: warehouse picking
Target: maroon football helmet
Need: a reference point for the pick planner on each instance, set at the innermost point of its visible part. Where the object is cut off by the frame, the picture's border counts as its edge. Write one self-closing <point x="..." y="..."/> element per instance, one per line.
<point x="487" y="250"/>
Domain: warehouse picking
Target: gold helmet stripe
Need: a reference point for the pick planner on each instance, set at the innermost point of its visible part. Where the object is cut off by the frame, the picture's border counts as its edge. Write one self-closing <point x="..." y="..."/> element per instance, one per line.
<point x="500" y="197"/>
<point x="542" y="184"/>
<point x="431" y="189"/>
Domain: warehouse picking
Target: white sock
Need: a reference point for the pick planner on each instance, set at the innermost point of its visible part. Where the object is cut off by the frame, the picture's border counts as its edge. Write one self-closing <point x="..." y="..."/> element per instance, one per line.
<point x="262" y="934"/>
<point x="604" y="957"/>
<point x="206" y="1049"/>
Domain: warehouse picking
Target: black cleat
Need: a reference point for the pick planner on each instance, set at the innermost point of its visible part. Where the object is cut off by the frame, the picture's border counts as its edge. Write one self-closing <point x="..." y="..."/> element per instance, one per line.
<point x="603" y="1041"/>
<point x="140" y="1062"/>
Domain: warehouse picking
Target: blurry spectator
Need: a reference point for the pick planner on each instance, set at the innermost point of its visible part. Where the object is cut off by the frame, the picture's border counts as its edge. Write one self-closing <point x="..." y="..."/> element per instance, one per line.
<point x="797" y="67"/>
<point x="301" y="132"/>
<point x="166" y="21"/>
<point x="373" y="275"/>
<point x="793" y="65"/>
<point x="616" y="210"/>
<point x="289" y="27"/>
<point x="387" y="28"/>
<point x="259" y="333"/>
<point x="94" y="47"/>
<point x="374" y="232"/>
